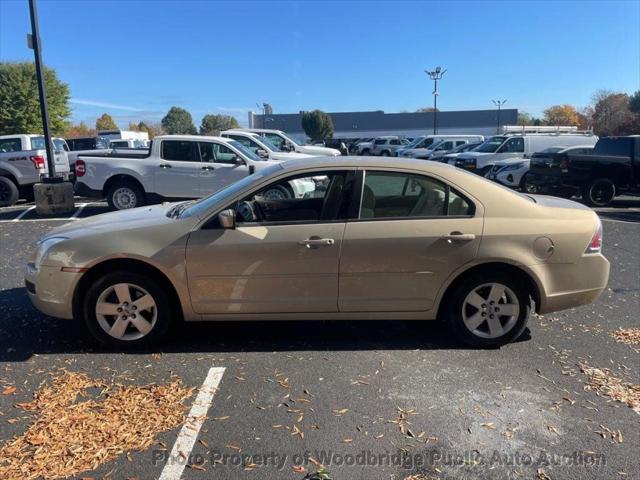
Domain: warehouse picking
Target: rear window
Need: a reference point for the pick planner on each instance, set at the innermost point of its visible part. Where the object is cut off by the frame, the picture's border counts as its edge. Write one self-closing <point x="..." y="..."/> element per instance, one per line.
<point x="614" y="146"/>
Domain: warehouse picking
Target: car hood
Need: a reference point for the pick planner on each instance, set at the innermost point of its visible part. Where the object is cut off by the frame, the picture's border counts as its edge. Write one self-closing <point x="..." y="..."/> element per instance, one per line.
<point x="282" y="156"/>
<point x="510" y="161"/>
<point x="112" y="222"/>
<point x="318" y="151"/>
<point x="464" y="155"/>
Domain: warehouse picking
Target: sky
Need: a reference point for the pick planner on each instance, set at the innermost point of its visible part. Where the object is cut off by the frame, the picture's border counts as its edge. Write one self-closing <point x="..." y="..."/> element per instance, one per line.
<point x="134" y="59"/>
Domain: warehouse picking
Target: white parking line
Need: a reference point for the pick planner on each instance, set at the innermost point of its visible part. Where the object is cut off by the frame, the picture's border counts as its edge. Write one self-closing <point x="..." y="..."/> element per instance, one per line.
<point x="77" y="212"/>
<point x="189" y="433"/>
<point x="17" y="219"/>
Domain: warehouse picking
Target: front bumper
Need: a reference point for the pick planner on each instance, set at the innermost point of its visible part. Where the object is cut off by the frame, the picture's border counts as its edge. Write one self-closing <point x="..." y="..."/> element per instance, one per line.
<point x="50" y="290"/>
<point x="586" y="278"/>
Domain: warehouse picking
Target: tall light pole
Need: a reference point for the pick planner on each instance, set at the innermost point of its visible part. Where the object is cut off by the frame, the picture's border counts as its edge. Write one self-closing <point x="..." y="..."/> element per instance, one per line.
<point x="435" y="75"/>
<point x="499" y="104"/>
<point x="53" y="195"/>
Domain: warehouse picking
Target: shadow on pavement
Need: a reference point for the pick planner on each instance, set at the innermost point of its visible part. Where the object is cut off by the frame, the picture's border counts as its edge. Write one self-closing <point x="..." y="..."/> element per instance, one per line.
<point x="25" y="332"/>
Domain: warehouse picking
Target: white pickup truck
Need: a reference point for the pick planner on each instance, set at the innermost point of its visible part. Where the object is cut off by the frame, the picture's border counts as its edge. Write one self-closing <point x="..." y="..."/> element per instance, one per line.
<point x="262" y="146"/>
<point x="23" y="161"/>
<point x="175" y="167"/>
<point x="285" y="143"/>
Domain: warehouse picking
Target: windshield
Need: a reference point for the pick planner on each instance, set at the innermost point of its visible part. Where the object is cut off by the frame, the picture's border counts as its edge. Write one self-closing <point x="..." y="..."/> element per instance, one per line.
<point x="200" y="207"/>
<point x="415" y="142"/>
<point x="38" y="143"/>
<point x="491" y="145"/>
<point x="247" y="152"/>
<point x="267" y="143"/>
<point x="289" y="139"/>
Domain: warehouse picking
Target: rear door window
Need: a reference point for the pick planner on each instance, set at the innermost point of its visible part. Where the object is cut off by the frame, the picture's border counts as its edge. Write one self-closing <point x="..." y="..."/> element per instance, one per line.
<point x="614" y="146"/>
<point x="180" y="150"/>
<point x="10" y="145"/>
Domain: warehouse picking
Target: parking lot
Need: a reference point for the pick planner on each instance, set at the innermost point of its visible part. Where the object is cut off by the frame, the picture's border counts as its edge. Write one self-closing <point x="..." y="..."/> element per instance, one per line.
<point x="396" y="400"/>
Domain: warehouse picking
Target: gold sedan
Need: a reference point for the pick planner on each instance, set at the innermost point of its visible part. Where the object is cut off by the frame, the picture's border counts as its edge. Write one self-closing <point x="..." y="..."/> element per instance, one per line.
<point x="326" y="238"/>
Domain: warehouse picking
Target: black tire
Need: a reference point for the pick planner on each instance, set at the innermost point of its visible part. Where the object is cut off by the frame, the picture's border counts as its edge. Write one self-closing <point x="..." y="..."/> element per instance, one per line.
<point x="366" y="152"/>
<point x="599" y="192"/>
<point x="164" y="311"/>
<point x="385" y="153"/>
<point x="127" y="189"/>
<point x="9" y="193"/>
<point x="455" y="302"/>
<point x="528" y="187"/>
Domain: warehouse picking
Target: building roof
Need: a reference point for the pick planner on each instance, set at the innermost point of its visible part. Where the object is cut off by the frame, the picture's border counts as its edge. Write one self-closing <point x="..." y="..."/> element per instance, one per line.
<point x="378" y="120"/>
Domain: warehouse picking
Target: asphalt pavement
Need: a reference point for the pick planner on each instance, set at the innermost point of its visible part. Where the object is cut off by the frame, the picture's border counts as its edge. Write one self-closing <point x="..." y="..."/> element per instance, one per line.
<point x="369" y="400"/>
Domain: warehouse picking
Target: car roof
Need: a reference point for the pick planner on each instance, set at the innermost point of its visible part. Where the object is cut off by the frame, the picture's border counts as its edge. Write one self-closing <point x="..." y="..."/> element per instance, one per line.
<point x="368" y="162"/>
<point x="195" y="138"/>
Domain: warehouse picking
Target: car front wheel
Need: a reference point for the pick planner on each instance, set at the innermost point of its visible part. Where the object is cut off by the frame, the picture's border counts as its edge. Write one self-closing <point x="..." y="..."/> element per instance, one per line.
<point x="488" y="310"/>
<point x="127" y="310"/>
<point x="8" y="192"/>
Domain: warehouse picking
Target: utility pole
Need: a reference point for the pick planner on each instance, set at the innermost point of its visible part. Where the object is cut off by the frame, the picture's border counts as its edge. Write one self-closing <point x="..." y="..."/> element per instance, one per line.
<point x="52" y="195"/>
<point x="499" y="104"/>
<point x="435" y="75"/>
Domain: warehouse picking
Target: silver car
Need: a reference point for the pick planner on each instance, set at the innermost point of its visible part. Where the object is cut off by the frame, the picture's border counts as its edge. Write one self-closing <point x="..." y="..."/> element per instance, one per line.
<point x="374" y="239"/>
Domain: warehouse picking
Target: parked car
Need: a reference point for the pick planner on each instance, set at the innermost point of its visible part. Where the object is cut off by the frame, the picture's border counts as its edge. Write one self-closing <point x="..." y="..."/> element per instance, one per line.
<point x="285" y="143"/>
<point x="512" y="172"/>
<point x="354" y="146"/>
<point x="23" y="161"/>
<point x="176" y="166"/>
<point x="437" y="150"/>
<point x="261" y="146"/>
<point x="450" y="156"/>
<point x="384" y="146"/>
<point x="384" y="239"/>
<point x="423" y="147"/>
<point x="611" y="169"/>
<point x="502" y="147"/>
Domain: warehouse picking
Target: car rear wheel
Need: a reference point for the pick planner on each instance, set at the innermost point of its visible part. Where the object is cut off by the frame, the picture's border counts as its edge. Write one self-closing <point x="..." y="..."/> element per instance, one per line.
<point x="385" y="153"/>
<point x="528" y="187"/>
<point x="123" y="195"/>
<point x="488" y="310"/>
<point x="599" y="192"/>
<point x="8" y="192"/>
<point x="127" y="310"/>
<point x="365" y="152"/>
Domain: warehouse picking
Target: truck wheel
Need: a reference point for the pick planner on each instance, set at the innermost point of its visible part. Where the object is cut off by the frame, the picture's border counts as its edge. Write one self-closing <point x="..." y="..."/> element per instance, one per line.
<point x="526" y="186"/>
<point x="599" y="192"/>
<point x="8" y="192"/>
<point x="125" y="194"/>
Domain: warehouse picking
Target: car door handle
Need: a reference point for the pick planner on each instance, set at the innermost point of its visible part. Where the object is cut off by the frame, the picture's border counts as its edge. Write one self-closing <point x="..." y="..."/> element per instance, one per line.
<point x="208" y="168"/>
<point x="165" y="165"/>
<point x="458" y="237"/>
<point x="315" y="242"/>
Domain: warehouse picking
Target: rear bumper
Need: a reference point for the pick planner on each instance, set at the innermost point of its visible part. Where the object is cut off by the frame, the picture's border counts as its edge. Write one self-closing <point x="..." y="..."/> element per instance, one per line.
<point x="50" y="290"/>
<point x="571" y="285"/>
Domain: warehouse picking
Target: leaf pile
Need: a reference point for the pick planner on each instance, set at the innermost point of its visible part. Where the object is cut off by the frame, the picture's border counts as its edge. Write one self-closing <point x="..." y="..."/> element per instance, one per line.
<point x="603" y="382"/>
<point x="72" y="435"/>
<point x="630" y="336"/>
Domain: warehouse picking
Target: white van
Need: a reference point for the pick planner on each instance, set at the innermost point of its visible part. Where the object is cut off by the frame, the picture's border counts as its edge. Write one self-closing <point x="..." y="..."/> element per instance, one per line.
<point x="420" y="145"/>
<point x="503" y="147"/>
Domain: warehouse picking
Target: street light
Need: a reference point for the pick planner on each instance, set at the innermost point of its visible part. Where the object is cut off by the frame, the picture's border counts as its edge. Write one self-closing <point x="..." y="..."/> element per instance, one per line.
<point x="499" y="104"/>
<point x="435" y="75"/>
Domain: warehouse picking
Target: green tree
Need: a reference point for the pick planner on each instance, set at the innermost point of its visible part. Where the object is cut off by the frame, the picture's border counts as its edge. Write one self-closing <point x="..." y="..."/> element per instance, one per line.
<point x="214" y="124"/>
<point x="634" y="102"/>
<point x="19" y="99"/>
<point x="105" y="122"/>
<point x="178" y="122"/>
<point x="317" y="125"/>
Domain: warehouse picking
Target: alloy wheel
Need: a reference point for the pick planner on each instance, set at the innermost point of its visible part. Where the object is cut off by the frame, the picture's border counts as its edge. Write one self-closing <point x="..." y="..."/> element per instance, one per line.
<point x="126" y="311"/>
<point x="490" y="310"/>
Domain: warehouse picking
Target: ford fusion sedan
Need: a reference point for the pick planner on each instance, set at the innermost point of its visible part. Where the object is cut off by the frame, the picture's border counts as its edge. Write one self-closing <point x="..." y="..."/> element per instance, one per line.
<point x="373" y="238"/>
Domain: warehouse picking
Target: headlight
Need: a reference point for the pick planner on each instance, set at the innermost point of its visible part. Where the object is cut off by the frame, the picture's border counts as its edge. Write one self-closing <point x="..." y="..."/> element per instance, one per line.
<point x="44" y="246"/>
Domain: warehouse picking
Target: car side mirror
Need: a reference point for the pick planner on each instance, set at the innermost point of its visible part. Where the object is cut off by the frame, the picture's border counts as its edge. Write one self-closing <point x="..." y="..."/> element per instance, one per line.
<point x="263" y="153"/>
<point x="237" y="160"/>
<point x="227" y="219"/>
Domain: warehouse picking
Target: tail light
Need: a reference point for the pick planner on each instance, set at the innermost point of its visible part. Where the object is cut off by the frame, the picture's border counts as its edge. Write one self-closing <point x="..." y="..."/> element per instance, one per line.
<point x="595" y="246"/>
<point x="81" y="168"/>
<point x="38" y="161"/>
